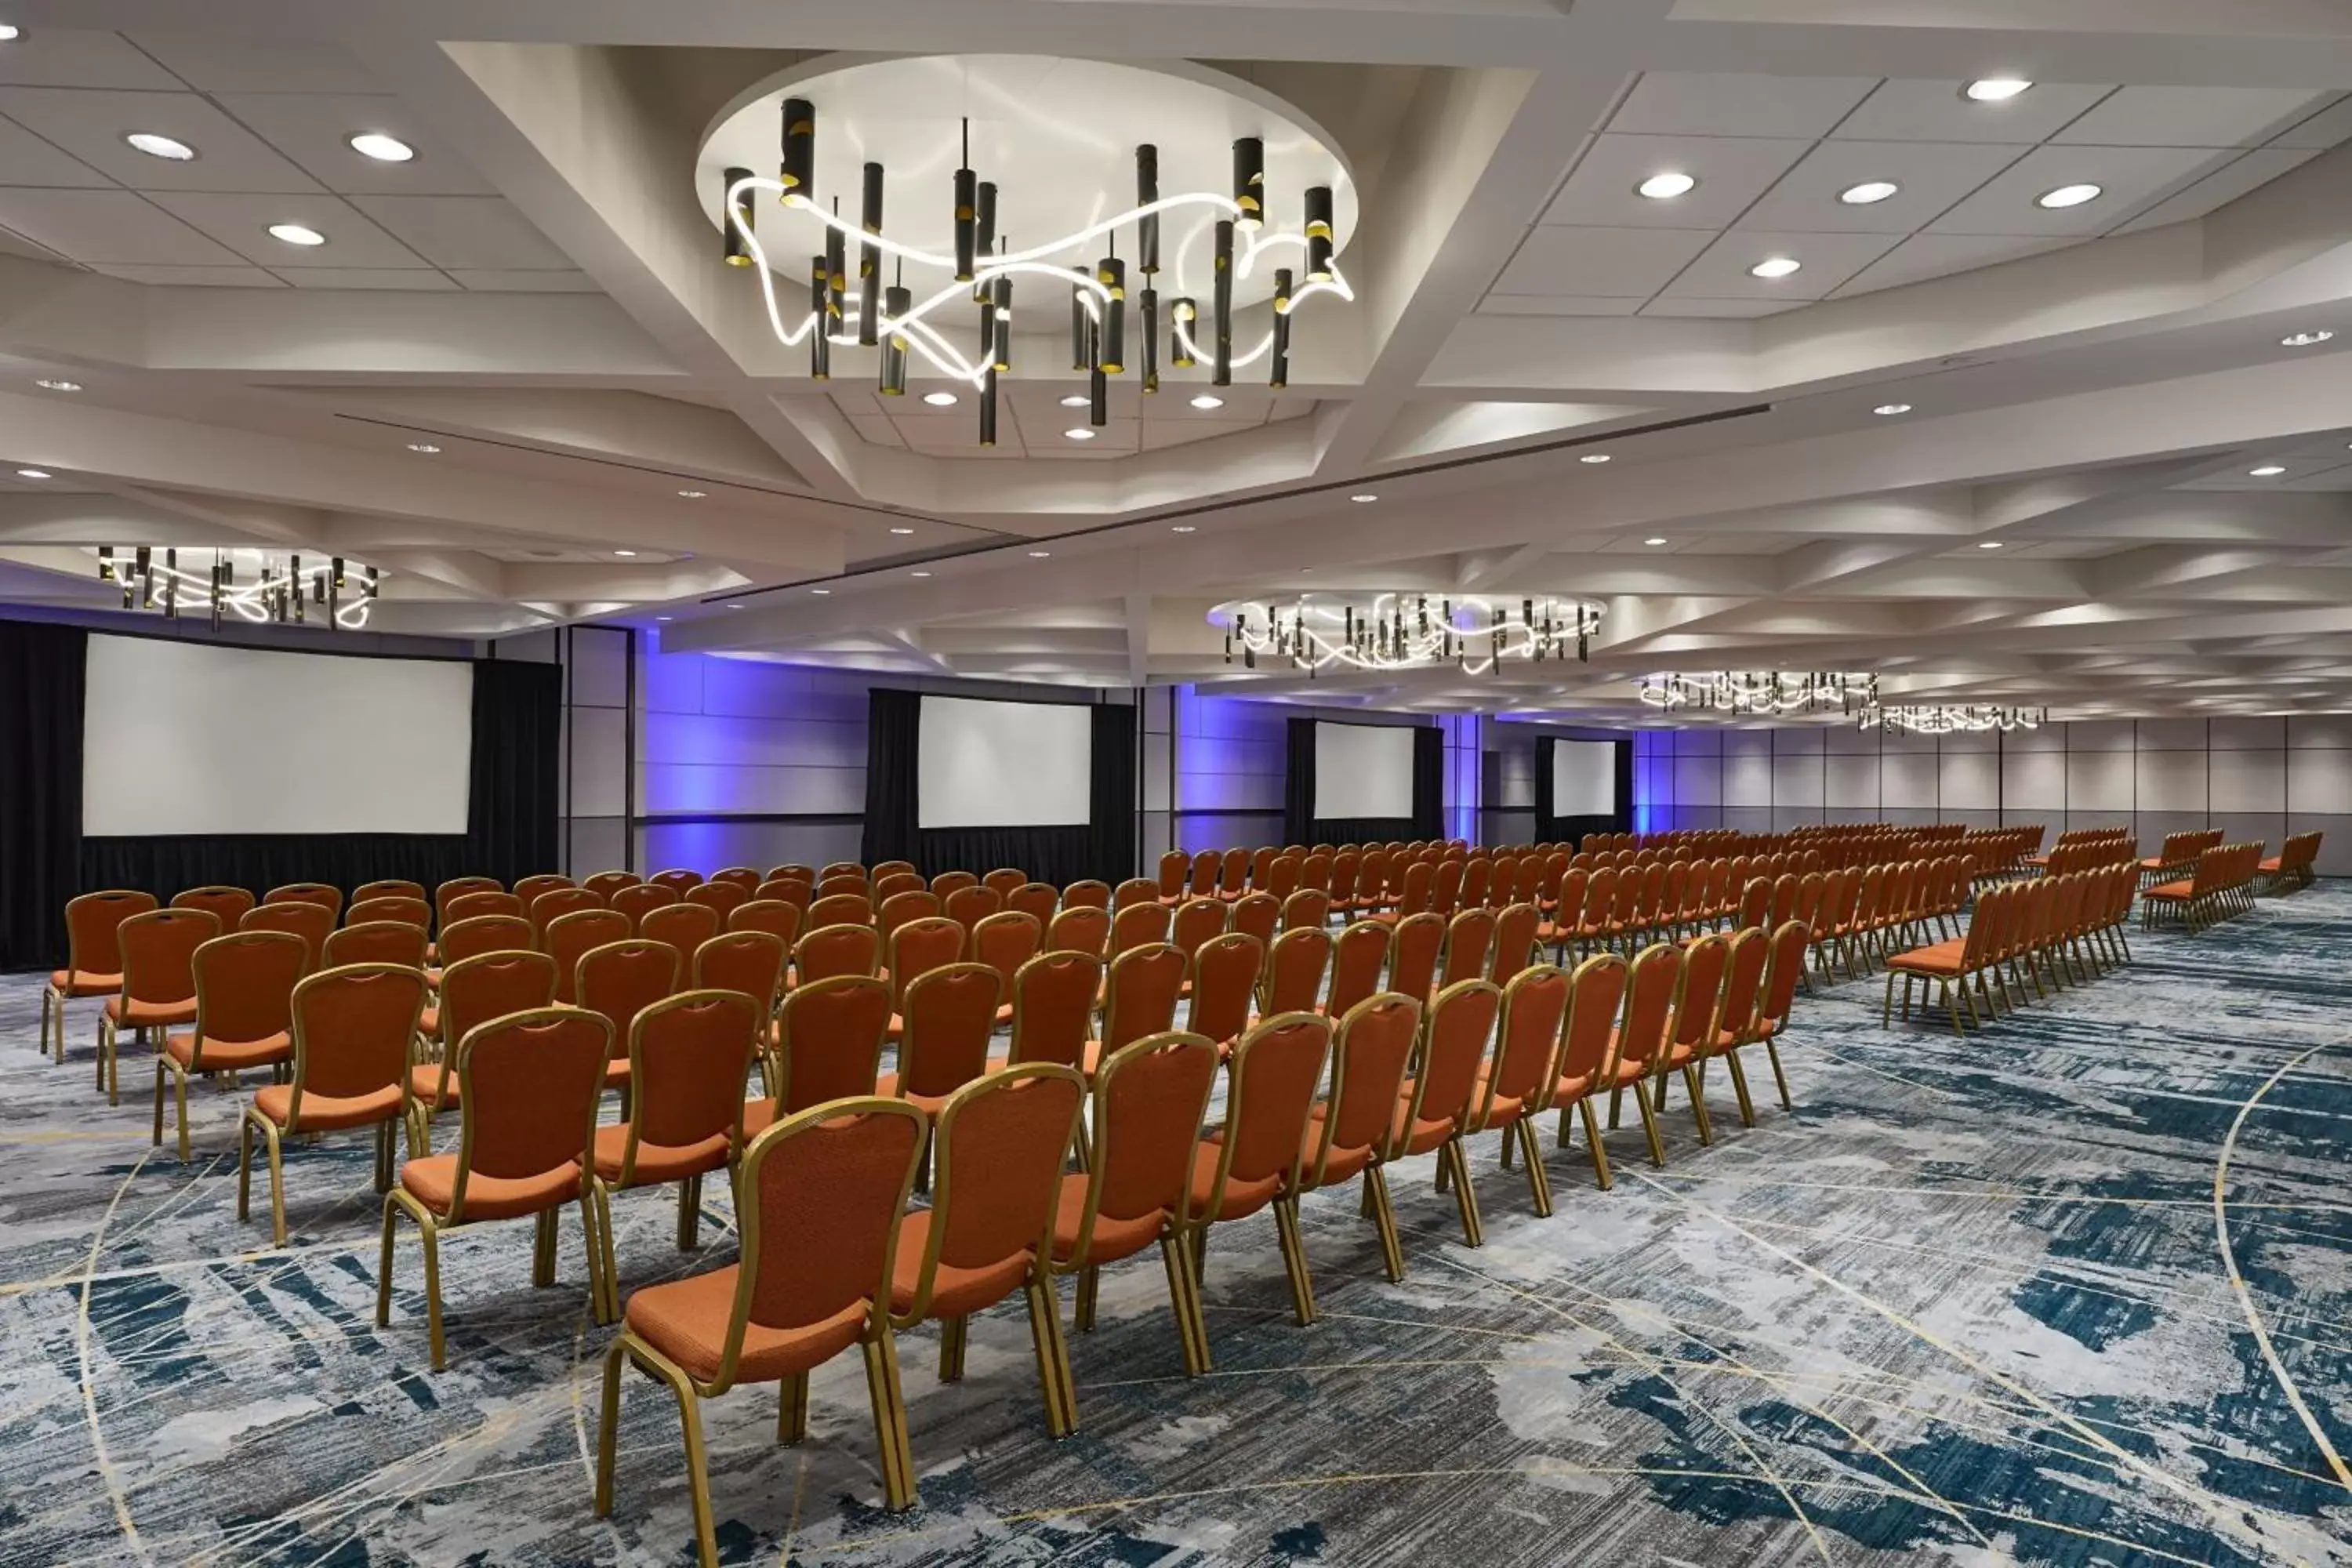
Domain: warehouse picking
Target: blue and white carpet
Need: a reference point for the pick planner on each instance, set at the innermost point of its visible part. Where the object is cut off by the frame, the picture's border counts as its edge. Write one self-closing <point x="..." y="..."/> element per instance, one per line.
<point x="2075" y="1290"/>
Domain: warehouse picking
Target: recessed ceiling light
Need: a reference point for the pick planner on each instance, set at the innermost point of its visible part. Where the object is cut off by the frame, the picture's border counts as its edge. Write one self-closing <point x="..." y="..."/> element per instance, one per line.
<point x="1076" y="400"/>
<point x="902" y="530"/>
<point x="2304" y="339"/>
<point x="1775" y="267"/>
<point x="1181" y="528"/>
<point x="1039" y="554"/>
<point x="1079" y="433"/>
<point x="918" y="574"/>
<point x="1203" y="400"/>
<point x="1989" y="544"/>
<point x="1666" y="187"/>
<point x="1363" y="498"/>
<point x="624" y="554"/>
<point x="1593" y="457"/>
<point x="156" y="145"/>
<point x="383" y="149"/>
<point x="821" y="593"/>
<point x="939" y="399"/>
<point x="1887" y="408"/>
<point x="1996" y="89"/>
<point x="734" y="607"/>
<point x="427" y="447"/>
<point x="692" y="495"/>
<point x="2067" y="195"/>
<point x="1869" y="191"/>
<point x="1654" y="543"/>
<point x="10" y="32"/>
<point x="51" y="384"/>
<point x="296" y="234"/>
<point x="34" y="474"/>
<point x="664" y="617"/>
<point x="2267" y="471"/>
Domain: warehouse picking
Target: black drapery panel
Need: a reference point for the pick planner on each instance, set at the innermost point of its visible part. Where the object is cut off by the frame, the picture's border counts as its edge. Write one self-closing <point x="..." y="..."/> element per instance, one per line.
<point x="1298" y="823"/>
<point x="1301" y="826"/>
<point x="1104" y="847"/>
<point x="42" y="669"/>
<point x="1551" y="829"/>
<point x="1429" y="783"/>
<point x="511" y="810"/>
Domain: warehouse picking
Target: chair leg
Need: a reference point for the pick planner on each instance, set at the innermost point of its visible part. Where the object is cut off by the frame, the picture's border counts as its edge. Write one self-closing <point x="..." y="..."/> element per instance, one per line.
<point x="697" y="1468"/>
<point x="791" y="1408"/>
<point x="1601" y="1176"/>
<point x="1739" y="1086"/>
<point x="542" y="1252"/>
<point x="1083" y="1312"/>
<point x="890" y="1420"/>
<point x="1773" y="1051"/>
<point x="1293" y="1260"/>
<point x="689" y="1212"/>
<point x="608" y="1428"/>
<point x="384" y="1157"/>
<point x="276" y="1181"/>
<point x="1538" y="1184"/>
<point x="1183" y="1295"/>
<point x="1698" y="1102"/>
<point x="1376" y="1196"/>
<point x="158" y="1140"/>
<point x="953" y="1332"/>
<point x="1465" y="1199"/>
<point x="604" y="1295"/>
<point x="1650" y="1127"/>
<point x="608" y="1309"/>
<point x="1053" y="1378"/>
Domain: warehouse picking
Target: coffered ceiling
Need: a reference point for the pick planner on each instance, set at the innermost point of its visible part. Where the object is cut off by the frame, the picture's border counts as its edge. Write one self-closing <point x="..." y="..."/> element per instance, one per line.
<point x="1987" y="447"/>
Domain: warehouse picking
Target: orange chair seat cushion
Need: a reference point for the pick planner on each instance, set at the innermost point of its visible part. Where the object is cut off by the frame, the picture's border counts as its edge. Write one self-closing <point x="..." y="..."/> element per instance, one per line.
<point x="1241" y="1198"/>
<point x="428" y="1023"/>
<point x="229" y="1055"/>
<point x="1418" y="1137"/>
<point x="2168" y="891"/>
<point x="326" y="1112"/>
<point x="887" y="1086"/>
<point x="424" y="1076"/>
<point x="87" y="983"/>
<point x="685" y="1319"/>
<point x="759" y="1115"/>
<point x="1113" y="1238"/>
<point x="2270" y="865"/>
<point x="1506" y="1109"/>
<point x="659" y="1162"/>
<point x="1944" y="958"/>
<point x="955" y="1291"/>
<point x="1568" y="1090"/>
<point x="1341" y="1165"/>
<point x="432" y="1182"/>
<point x="137" y="1015"/>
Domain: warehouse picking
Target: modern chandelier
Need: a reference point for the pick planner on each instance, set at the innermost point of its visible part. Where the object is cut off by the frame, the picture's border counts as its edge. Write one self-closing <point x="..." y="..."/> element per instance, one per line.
<point x="1769" y="692"/>
<point x="1944" y="720"/>
<point x="253" y="585"/>
<point x="1405" y="631"/>
<point x="848" y="310"/>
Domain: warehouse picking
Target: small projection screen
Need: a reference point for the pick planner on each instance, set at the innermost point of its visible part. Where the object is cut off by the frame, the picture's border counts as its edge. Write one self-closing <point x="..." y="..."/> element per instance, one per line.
<point x="1584" y="778"/>
<point x="195" y="738"/>
<point x="1363" y="770"/>
<point x="1003" y="764"/>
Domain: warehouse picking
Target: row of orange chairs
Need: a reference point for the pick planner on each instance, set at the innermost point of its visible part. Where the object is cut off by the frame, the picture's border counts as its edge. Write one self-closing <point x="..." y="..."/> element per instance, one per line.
<point x="2065" y="927"/>
<point x="2221" y="884"/>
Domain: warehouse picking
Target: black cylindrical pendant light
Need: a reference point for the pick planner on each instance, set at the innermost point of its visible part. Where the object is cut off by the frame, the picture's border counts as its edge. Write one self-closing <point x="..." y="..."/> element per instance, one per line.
<point x="1184" y="315"/>
<point x="869" y="259"/>
<point x="1147" y="190"/>
<point x="1222" y="364"/>
<point x="218" y="585"/>
<point x="799" y="177"/>
<point x="820" y="340"/>
<point x="1079" y="322"/>
<point x="106" y="563"/>
<point x="736" y="224"/>
<point x="1111" y="273"/>
<point x="1002" y="320"/>
<point x="988" y="407"/>
<point x="1098" y="397"/>
<point x="1148" y="306"/>
<point x="967" y="214"/>
<point x="1318" y="233"/>
<point x="984" y="220"/>
<point x="837" y="276"/>
<point x="1249" y="182"/>
<point x="894" y="344"/>
<point x="1279" y="376"/>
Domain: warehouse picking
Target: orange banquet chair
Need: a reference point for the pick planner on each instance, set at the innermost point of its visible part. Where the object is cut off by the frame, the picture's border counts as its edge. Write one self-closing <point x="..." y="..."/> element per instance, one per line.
<point x="528" y="889"/>
<point x="1743" y="986"/>
<point x="1005" y="942"/>
<point x="840" y="909"/>
<point x="1136" y="925"/>
<point x="1348" y="1133"/>
<point x="640" y="898"/>
<point x="1079" y="928"/>
<point x="553" y="905"/>
<point x="948" y="882"/>
<point x="1437" y="1101"/>
<point x="1294" y="970"/>
<point x="1140" y="997"/>
<point x="751" y="962"/>
<point x="1253" y="1162"/>
<point x="353" y="1029"/>
<point x="1150" y="1096"/>
<point x="1052" y="1008"/>
<point x="914" y="904"/>
<point x="484" y="934"/>
<point x="408" y="911"/>
<point x="1650" y="989"/>
<point x="822" y="1192"/>
<point x="828" y="1046"/>
<point x="1517" y="1076"/>
<point x="722" y="898"/>
<point x="969" y="906"/>
<point x="684" y="926"/>
<point x="457" y="888"/>
<point x="473" y="992"/>
<point x="313" y="922"/>
<point x="376" y="942"/>
<point x="528" y="1086"/>
<point x="569" y="937"/>
<point x="228" y="903"/>
<point x="327" y="898"/>
<point x="1175" y="870"/>
<point x="1690" y="1038"/>
<point x="1415" y="944"/>
<point x="618" y="981"/>
<point x="828" y="951"/>
<point x="743" y="877"/>
<point x="1134" y="890"/>
<point x="777" y="918"/>
<point x="1358" y="955"/>
<point x="159" y="984"/>
<point x="948" y="1013"/>
<point x="93" y="955"/>
<point x="1587" y="1045"/>
<point x="605" y="884"/>
<point x="1226" y="974"/>
<point x="916" y="948"/>
<point x="688" y="1056"/>
<point x="1086" y="894"/>
<point x="997" y="1147"/>
<point x="244" y="991"/>
<point x="390" y="888"/>
<point x="478" y="902"/>
<point x="889" y="885"/>
<point x="1038" y="900"/>
<point x="1260" y="915"/>
<point x="1004" y="879"/>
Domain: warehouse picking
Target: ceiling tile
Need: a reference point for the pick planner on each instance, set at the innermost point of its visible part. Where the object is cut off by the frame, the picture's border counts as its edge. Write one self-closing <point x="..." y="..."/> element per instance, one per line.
<point x="1559" y="260"/>
<point x="876" y="429"/>
<point x="18" y="245"/>
<point x="2190" y="116"/>
<point x="1157" y="434"/>
<point x="525" y="282"/>
<point x="414" y="277"/>
<point x="1731" y="171"/>
<point x="475" y="232"/>
<point x="46" y="57"/>
<point x="26" y="159"/>
<point x="2325" y="129"/>
<point x="98" y="226"/>
<point x="1721" y="273"/>
<point x="1558" y="305"/>
<point x="91" y="126"/>
<point x="1925" y="256"/>
<point x="196" y="276"/>
<point x="249" y="59"/>
<point x="2224" y="184"/>
<point x="1917" y="111"/>
<point x="1673" y="305"/>
<point x="1932" y="175"/>
<point x="1731" y="103"/>
<point x="242" y="223"/>
<point x="2128" y="175"/>
<point x="314" y="130"/>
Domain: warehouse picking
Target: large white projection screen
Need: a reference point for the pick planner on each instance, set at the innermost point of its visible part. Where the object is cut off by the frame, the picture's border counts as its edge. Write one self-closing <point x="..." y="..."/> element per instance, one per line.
<point x="1003" y="764"/>
<point x="1363" y="770"/>
<point x="186" y="736"/>
<point x="1584" y="778"/>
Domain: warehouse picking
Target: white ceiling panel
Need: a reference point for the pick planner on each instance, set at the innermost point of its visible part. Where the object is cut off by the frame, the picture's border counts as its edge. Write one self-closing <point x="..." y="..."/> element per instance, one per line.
<point x="876" y="429"/>
<point x="47" y="57"/>
<point x="98" y="226"/>
<point x="1916" y="110"/>
<point x="26" y="159"/>
<point x="1735" y="103"/>
<point x="1926" y="255"/>
<point x="1673" y="305"/>
<point x="1932" y="178"/>
<point x="2226" y="184"/>
<point x="92" y="125"/>
<point x="2327" y="128"/>
<point x="196" y="276"/>
<point x="225" y="60"/>
<point x="1731" y="171"/>
<point x="2126" y="175"/>
<point x="1559" y="259"/>
<point x="490" y="282"/>
<point x="314" y="130"/>
<point x="1558" y="305"/>
<point x="423" y="278"/>
<point x="478" y="232"/>
<point x="242" y="223"/>
<point x="1829" y="259"/>
<point x="2191" y="116"/>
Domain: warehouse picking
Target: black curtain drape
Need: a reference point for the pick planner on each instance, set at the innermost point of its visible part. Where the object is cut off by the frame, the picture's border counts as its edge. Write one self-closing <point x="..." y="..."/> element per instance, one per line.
<point x="1301" y="826"/>
<point x="1551" y="829"/>
<point x="42" y="671"/>
<point x="1429" y="783"/>
<point x="511" y="822"/>
<point x="1103" y="848"/>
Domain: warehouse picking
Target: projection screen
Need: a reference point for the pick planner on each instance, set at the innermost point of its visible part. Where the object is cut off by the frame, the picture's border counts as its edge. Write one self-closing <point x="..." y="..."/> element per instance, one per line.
<point x="1584" y="778"/>
<point x="193" y="738"/>
<point x="1003" y="764"/>
<point x="1363" y="770"/>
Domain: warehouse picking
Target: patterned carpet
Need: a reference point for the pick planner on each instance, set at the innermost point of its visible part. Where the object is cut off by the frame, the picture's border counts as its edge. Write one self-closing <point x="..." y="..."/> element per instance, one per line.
<point x="2078" y="1290"/>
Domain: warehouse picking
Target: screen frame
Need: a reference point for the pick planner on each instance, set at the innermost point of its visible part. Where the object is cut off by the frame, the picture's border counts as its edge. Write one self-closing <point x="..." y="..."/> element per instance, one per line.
<point x="924" y="695"/>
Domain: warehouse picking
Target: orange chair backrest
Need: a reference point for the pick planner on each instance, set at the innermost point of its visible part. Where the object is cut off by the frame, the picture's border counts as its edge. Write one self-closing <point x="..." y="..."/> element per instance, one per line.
<point x="568" y="938"/>
<point x="1232" y="871"/>
<point x="1135" y="890"/>
<point x="1282" y="876"/>
<point x="319" y="893"/>
<point x="1526" y="1043"/>
<point x="773" y="916"/>
<point x="751" y="962"/>
<point x="1054" y="1007"/>
<point x="1196" y="920"/>
<point x="1418" y="941"/>
<point x="310" y="921"/>
<point x="889" y="885"/>
<point x="405" y="911"/>
<point x="1370" y="1053"/>
<point x="948" y="882"/>
<point x="1293" y="970"/>
<point x="1224" y="982"/>
<point x="228" y="903"/>
<point x="1699" y="998"/>
<point x="352" y="1025"/>
<point x="1150" y="1099"/>
<point x="785" y="892"/>
<point x="1783" y="969"/>
<point x="484" y="902"/>
<point x="969" y="906"/>
<point x="677" y="880"/>
<point x="489" y="985"/>
<point x="922" y="945"/>
<point x="1088" y="894"/>
<point x="832" y="950"/>
<point x="722" y="898"/>
<point x="850" y="868"/>
<point x="1357" y="956"/>
<point x="1141" y="997"/>
<point x="1461" y="1021"/>
<point x="622" y="979"/>
<point x="878" y="869"/>
<point x="688" y="1056"/>
<point x="484" y="934"/>
<point x="1476" y="873"/>
<point x="457" y="888"/>
<point x="1080" y="928"/>
<point x="1650" y="994"/>
<point x="1174" y="865"/>
<point x="376" y="942"/>
<point x="1756" y="898"/>
<point x="554" y="904"/>
<point x="530" y="888"/>
<point x="93" y="919"/>
<point x="1596" y="997"/>
<point x="1308" y="908"/>
<point x="605" y="884"/>
<point x="915" y="904"/>
<point x="840" y="909"/>
<point x="1743" y="980"/>
<point x="244" y="986"/>
<point x="743" y="877"/>
<point x="1445" y="885"/>
<point x="1258" y="915"/>
<point x="1005" y="942"/>
<point x="830" y="1033"/>
<point x="1137" y="925"/>
<point x="1277" y="1068"/>
<point x="1514" y="942"/>
<point x="1038" y="900"/>
<point x="1000" y="1144"/>
<point x="948" y="1015"/>
<point x="1004" y="879"/>
<point x="684" y="926"/>
<point x="1261" y="865"/>
<point x="528" y="1086"/>
<point x="821" y="1197"/>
